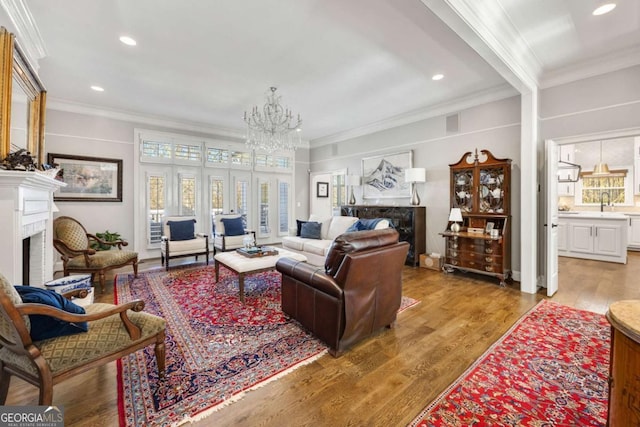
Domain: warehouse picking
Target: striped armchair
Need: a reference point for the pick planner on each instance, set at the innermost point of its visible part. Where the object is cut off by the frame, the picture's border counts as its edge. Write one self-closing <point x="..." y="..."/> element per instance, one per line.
<point x="113" y="332"/>
<point x="71" y="239"/>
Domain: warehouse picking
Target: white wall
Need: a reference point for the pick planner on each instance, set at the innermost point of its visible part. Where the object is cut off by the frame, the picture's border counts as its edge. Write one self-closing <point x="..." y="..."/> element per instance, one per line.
<point x="494" y="126"/>
<point x="88" y="135"/>
<point x="76" y="134"/>
<point x="597" y="104"/>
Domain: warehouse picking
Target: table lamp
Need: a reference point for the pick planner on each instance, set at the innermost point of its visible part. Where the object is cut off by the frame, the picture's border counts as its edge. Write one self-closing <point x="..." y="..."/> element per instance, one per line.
<point x="414" y="175"/>
<point x="455" y="216"/>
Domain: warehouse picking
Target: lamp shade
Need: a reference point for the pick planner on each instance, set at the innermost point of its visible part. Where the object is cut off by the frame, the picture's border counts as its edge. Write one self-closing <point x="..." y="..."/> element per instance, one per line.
<point x="455" y="215"/>
<point x="352" y="180"/>
<point x="415" y="175"/>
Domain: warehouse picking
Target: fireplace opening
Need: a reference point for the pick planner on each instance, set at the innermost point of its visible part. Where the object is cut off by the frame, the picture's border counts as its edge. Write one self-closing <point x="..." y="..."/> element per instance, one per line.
<point x="26" y="258"/>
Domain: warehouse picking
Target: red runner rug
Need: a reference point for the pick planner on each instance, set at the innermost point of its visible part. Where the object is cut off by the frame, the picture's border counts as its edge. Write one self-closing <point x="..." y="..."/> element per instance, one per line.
<point x="549" y="369"/>
<point x="217" y="348"/>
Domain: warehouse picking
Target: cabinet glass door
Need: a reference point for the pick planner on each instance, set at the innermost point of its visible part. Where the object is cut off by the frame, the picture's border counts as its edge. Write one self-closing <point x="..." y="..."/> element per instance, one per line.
<point x="462" y="189"/>
<point x="491" y="190"/>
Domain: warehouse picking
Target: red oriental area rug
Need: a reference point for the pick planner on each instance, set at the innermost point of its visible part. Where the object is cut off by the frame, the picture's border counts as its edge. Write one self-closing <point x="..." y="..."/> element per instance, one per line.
<point x="549" y="369"/>
<point x="217" y="348"/>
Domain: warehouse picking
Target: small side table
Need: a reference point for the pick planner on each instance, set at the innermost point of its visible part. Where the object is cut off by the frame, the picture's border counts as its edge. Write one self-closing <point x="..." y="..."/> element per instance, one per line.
<point x="624" y="377"/>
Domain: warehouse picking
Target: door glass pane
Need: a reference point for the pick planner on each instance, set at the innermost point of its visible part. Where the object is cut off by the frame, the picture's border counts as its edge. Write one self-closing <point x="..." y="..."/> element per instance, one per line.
<point x="155" y="202"/>
<point x="283" y="207"/>
<point x="242" y="199"/>
<point x="187" y="195"/>
<point x="217" y="201"/>
<point x="264" y="208"/>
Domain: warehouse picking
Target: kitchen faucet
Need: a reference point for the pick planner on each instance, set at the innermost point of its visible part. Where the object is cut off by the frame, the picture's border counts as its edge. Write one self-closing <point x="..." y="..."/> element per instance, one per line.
<point x="602" y="200"/>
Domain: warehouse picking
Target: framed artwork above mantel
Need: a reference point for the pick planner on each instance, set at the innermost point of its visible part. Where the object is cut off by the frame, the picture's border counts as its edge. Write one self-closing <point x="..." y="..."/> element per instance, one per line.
<point x="383" y="176"/>
<point x="88" y="179"/>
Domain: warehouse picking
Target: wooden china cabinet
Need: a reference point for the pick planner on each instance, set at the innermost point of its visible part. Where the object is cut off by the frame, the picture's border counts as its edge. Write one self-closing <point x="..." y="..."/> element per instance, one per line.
<point x="480" y="187"/>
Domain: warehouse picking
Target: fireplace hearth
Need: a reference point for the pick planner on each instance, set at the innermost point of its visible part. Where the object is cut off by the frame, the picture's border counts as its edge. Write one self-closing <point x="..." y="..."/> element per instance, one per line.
<point x="26" y="220"/>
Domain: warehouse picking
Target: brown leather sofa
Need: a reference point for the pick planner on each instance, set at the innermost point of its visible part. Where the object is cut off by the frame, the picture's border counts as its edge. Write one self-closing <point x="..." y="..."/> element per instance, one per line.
<point x="357" y="293"/>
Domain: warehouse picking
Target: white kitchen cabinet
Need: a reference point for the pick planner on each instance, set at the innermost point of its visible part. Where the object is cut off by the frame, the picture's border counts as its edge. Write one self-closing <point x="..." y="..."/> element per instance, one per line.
<point x="566" y="189"/>
<point x="592" y="235"/>
<point x="566" y="154"/>
<point x="581" y="237"/>
<point x="633" y="241"/>
<point x="607" y="239"/>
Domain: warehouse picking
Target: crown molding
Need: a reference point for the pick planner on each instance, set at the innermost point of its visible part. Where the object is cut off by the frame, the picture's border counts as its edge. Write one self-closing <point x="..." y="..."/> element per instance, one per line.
<point x="604" y="64"/>
<point x="462" y="103"/>
<point x="28" y="34"/>
<point x="137" y="118"/>
<point x="488" y="29"/>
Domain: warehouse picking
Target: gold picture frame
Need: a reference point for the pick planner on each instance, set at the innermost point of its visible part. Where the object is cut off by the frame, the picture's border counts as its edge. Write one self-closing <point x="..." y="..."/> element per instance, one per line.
<point x="20" y="88"/>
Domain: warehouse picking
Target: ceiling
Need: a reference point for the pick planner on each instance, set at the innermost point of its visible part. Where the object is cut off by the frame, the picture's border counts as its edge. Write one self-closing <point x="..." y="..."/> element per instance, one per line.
<point x="342" y="65"/>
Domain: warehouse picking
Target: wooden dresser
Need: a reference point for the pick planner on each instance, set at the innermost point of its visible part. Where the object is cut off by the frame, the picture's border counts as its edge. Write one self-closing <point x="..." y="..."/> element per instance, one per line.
<point x="410" y="221"/>
<point x="480" y="186"/>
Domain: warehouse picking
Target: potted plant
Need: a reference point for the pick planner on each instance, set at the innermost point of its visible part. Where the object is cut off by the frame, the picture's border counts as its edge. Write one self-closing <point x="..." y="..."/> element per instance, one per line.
<point x="107" y="236"/>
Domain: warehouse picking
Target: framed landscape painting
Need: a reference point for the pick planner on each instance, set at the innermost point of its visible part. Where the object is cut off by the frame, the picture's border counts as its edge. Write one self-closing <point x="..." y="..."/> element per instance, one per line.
<point x="383" y="176"/>
<point x="88" y="179"/>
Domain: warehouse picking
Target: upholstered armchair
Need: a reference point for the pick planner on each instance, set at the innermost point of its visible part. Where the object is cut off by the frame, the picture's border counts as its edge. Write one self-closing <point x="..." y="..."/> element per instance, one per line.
<point x="357" y="292"/>
<point x="229" y="232"/>
<point x="179" y="239"/>
<point x="113" y="331"/>
<point x="72" y="241"/>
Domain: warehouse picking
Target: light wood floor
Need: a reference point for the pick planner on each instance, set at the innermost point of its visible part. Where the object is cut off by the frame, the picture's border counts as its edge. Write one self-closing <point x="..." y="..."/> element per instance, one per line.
<point x="388" y="379"/>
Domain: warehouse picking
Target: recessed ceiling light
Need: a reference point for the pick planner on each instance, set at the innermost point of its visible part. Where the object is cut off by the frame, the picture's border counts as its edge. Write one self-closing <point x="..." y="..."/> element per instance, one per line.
<point x="605" y="8"/>
<point x="97" y="88"/>
<point x="437" y="77"/>
<point x="128" y="41"/>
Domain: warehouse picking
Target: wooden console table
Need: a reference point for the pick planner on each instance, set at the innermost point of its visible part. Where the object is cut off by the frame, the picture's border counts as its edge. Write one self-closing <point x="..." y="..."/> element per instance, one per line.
<point x="410" y="221"/>
<point x="624" y="371"/>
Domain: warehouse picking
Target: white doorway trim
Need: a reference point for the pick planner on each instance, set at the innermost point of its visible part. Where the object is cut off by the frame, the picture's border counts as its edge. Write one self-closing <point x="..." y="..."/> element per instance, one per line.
<point x="551" y="169"/>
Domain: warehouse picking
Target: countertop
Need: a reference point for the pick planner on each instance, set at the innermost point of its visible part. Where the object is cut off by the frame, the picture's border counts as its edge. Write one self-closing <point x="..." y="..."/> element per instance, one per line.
<point x="594" y="215"/>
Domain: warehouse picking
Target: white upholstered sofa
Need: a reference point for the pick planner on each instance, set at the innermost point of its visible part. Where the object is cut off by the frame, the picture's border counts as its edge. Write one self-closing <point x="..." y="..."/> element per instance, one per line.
<point x="316" y="249"/>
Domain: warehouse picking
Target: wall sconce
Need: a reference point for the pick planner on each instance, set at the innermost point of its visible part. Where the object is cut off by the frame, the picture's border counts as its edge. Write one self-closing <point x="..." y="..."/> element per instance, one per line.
<point x="455" y="216"/>
<point x="352" y="181"/>
<point x="415" y="175"/>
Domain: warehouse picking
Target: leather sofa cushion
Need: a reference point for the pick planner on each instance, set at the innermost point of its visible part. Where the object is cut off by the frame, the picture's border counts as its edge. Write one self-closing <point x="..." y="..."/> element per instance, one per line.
<point x="357" y="241"/>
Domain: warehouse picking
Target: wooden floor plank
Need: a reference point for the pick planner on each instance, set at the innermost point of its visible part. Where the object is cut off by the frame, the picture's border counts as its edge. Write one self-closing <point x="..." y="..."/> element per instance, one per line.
<point x="389" y="378"/>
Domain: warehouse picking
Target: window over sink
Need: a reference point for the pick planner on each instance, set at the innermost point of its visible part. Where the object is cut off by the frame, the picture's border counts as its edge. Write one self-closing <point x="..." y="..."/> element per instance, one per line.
<point x="615" y="188"/>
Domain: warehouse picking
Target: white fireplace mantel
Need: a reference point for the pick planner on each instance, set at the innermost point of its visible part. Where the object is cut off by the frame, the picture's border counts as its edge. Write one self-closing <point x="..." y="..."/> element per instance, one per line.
<point x="26" y="201"/>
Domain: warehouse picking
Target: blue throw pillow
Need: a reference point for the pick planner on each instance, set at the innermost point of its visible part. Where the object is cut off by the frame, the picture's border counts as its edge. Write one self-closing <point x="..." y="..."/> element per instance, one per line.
<point x="233" y="226"/>
<point x="311" y="230"/>
<point x="43" y="327"/>
<point x="299" y="226"/>
<point x="182" y="230"/>
<point x="366" y="224"/>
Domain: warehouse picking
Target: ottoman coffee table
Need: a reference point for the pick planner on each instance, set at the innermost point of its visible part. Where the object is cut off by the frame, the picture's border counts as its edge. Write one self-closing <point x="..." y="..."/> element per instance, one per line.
<point x="242" y="265"/>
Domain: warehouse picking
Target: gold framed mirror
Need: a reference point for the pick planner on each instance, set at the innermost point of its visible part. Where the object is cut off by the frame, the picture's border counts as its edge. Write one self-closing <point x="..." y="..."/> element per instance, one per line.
<point x="22" y="102"/>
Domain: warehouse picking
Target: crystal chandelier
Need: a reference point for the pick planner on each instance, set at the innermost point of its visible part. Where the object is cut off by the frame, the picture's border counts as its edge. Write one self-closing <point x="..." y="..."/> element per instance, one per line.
<point x="272" y="129"/>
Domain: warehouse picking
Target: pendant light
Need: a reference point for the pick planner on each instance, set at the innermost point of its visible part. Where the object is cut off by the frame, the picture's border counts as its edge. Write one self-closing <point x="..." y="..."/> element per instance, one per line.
<point x="601" y="168"/>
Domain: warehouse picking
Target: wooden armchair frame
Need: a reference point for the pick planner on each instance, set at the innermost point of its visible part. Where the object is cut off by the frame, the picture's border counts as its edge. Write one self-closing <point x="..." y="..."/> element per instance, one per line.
<point x="20" y="343"/>
<point x="69" y="253"/>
